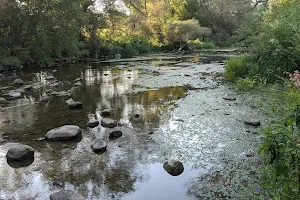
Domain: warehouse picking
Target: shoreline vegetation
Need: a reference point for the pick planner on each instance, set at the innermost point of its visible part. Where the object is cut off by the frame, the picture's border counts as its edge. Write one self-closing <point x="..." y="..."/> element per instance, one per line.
<point x="271" y="68"/>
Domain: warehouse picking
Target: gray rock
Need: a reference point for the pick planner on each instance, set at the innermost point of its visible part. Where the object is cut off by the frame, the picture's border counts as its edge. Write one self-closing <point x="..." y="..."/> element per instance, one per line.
<point x="66" y="195"/>
<point x="78" y="80"/>
<point x="14" y="94"/>
<point x="252" y="123"/>
<point x="105" y="113"/>
<point x="93" y="123"/>
<point x="40" y="139"/>
<point x="75" y="104"/>
<point x="108" y="123"/>
<point x="77" y="84"/>
<point x="173" y="167"/>
<point x="20" y="152"/>
<point x="2" y="76"/>
<point x="18" y="82"/>
<point x="28" y="88"/>
<point x="3" y="101"/>
<point x="49" y="91"/>
<point x="50" y="78"/>
<point x="63" y="133"/>
<point x="229" y="97"/>
<point x="99" y="145"/>
<point x="44" y="99"/>
<point x="115" y="134"/>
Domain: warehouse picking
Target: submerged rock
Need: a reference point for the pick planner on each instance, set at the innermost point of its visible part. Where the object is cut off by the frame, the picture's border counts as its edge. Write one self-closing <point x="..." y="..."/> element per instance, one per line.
<point x="115" y="134"/>
<point x="99" y="145"/>
<point x="66" y="195"/>
<point x="173" y="167"/>
<point x="252" y="123"/>
<point x="20" y="152"/>
<point x="93" y="123"/>
<point x="63" y="133"/>
<point x="2" y="76"/>
<point x="3" y="101"/>
<point x="108" y="123"/>
<point x="18" y="82"/>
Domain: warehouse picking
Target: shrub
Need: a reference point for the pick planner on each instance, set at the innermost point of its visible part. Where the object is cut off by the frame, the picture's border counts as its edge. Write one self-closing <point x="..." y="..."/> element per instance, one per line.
<point x="240" y="67"/>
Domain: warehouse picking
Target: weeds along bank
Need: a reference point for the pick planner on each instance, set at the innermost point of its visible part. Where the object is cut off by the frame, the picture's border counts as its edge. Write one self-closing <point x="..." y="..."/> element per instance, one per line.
<point x="271" y="67"/>
<point x="280" y="136"/>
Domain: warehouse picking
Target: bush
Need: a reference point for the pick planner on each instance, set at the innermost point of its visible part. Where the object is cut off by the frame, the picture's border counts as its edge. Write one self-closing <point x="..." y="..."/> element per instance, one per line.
<point x="11" y="62"/>
<point x="281" y="147"/>
<point x="240" y="67"/>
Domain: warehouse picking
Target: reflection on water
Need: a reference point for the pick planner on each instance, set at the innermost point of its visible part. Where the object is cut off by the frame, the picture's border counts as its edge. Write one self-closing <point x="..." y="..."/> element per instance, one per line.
<point x="111" y="175"/>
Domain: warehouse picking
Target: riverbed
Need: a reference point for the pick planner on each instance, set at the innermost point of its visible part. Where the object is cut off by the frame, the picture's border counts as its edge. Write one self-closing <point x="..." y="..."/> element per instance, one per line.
<point x="168" y="106"/>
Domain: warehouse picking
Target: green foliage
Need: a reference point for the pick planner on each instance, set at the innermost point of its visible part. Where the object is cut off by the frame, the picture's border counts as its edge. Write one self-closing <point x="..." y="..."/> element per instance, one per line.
<point x="281" y="148"/>
<point x="240" y="67"/>
<point x="275" y="42"/>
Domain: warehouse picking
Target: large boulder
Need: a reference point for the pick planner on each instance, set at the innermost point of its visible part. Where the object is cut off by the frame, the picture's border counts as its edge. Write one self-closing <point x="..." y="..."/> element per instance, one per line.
<point x="66" y="195"/>
<point x="63" y="133"/>
<point x="3" y="101"/>
<point x="20" y="152"/>
<point x="99" y="145"/>
<point x="18" y="82"/>
<point x="108" y="123"/>
<point x="173" y="167"/>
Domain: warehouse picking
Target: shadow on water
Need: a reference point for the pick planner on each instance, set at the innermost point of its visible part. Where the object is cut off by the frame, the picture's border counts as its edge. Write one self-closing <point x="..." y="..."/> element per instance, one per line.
<point x="121" y="170"/>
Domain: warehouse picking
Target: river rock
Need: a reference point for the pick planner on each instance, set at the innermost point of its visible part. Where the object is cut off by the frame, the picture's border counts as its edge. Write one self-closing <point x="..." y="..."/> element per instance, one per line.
<point x="3" y="101"/>
<point x="105" y="113"/>
<point x="252" y="123"/>
<point x="28" y="88"/>
<point x="93" y="123"/>
<point x="115" y="134"/>
<point x="74" y="104"/>
<point x="229" y="97"/>
<point x="77" y="84"/>
<point x="108" y="123"/>
<point x="18" y="82"/>
<point x="173" y="167"/>
<point x="50" y="78"/>
<point x="14" y="94"/>
<point x="66" y="195"/>
<point x="20" y="152"/>
<point x="99" y="145"/>
<point x="63" y="133"/>
<point x="44" y="99"/>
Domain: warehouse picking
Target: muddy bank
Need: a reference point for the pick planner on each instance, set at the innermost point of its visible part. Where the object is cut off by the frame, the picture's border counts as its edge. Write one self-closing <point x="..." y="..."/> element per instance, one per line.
<point x="167" y="107"/>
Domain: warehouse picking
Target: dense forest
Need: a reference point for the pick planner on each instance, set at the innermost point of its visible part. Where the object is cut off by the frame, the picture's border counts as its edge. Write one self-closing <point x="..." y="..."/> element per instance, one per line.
<point x="42" y="32"/>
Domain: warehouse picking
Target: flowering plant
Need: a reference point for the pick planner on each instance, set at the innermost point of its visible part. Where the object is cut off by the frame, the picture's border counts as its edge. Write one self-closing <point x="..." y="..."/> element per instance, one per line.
<point x="295" y="78"/>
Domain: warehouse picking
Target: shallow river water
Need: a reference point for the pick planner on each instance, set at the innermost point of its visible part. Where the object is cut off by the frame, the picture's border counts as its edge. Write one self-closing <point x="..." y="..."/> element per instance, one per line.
<point x="181" y="115"/>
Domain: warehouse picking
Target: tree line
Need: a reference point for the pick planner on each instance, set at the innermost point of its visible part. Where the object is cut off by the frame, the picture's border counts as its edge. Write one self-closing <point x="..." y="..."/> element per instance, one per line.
<point x="43" y="32"/>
